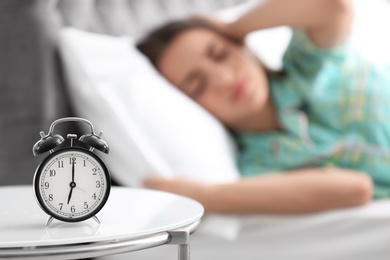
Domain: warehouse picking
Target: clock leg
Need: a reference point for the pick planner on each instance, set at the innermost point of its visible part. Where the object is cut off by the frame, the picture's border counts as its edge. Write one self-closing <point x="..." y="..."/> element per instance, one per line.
<point x="49" y="221"/>
<point x="96" y="219"/>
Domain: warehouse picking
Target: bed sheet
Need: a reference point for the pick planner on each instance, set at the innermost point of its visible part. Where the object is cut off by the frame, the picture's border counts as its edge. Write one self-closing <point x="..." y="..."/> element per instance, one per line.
<point x="359" y="233"/>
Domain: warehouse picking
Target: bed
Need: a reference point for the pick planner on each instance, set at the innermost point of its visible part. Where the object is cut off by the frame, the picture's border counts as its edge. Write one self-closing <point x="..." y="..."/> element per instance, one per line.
<point x="77" y="58"/>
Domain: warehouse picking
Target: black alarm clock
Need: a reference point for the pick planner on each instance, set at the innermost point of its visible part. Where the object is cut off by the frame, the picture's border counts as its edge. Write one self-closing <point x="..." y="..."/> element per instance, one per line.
<point x="71" y="184"/>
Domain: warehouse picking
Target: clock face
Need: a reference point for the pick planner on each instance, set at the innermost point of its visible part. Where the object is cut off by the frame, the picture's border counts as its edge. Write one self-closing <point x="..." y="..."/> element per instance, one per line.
<point x="72" y="184"/>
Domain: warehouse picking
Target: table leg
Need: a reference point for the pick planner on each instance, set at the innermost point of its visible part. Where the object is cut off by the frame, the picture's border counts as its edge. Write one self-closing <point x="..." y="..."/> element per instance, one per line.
<point x="181" y="238"/>
<point x="184" y="252"/>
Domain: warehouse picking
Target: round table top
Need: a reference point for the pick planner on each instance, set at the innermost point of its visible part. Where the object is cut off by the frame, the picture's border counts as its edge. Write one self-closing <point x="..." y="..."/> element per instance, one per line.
<point x="128" y="213"/>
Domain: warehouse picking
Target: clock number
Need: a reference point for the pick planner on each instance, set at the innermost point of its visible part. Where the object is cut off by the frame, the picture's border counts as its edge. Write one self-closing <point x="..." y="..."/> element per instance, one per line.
<point x="98" y="184"/>
<point x="50" y="197"/>
<point x="94" y="196"/>
<point x="46" y="185"/>
<point x="60" y="164"/>
<point x="72" y="159"/>
<point x="52" y="173"/>
<point x="61" y="205"/>
<point x="85" y="164"/>
<point x="73" y="209"/>
<point x="85" y="205"/>
<point x="94" y="172"/>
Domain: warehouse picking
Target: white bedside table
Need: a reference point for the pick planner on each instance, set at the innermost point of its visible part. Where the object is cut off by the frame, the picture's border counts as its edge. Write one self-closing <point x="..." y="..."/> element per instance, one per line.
<point x="132" y="219"/>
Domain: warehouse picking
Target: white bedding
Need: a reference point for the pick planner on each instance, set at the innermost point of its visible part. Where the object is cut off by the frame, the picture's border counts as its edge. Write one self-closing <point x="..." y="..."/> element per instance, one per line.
<point x="361" y="233"/>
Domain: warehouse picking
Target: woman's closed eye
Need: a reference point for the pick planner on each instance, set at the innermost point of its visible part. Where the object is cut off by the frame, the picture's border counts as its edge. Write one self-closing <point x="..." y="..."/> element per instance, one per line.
<point x="194" y="84"/>
<point x="221" y="55"/>
<point x="198" y="88"/>
<point x="217" y="52"/>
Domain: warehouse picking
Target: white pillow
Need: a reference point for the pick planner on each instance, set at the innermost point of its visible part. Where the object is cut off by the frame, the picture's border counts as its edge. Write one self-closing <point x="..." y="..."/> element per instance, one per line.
<point x="151" y="127"/>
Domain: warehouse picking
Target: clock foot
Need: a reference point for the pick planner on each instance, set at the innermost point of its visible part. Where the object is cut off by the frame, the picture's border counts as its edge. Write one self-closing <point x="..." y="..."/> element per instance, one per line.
<point x="49" y="221"/>
<point x="96" y="219"/>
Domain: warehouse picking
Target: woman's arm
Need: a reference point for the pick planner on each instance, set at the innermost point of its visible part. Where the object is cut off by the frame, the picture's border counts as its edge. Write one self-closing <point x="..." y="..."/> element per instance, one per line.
<point x="300" y="191"/>
<point x="327" y="22"/>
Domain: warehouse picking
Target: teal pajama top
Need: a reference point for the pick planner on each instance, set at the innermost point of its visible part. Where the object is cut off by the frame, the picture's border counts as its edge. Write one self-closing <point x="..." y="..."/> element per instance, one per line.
<point x="334" y="109"/>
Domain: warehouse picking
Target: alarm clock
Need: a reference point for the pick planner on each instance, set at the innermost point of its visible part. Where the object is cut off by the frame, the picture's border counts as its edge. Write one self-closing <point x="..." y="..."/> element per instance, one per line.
<point x="71" y="184"/>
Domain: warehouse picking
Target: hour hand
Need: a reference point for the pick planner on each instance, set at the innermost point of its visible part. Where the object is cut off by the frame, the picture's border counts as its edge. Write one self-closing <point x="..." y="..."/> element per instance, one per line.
<point x="70" y="194"/>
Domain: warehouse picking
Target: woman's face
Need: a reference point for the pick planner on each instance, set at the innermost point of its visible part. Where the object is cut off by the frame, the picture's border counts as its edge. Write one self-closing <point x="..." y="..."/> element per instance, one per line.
<point x="217" y="74"/>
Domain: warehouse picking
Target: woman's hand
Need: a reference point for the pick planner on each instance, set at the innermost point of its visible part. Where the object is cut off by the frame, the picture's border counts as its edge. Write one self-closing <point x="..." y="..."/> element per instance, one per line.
<point x="223" y="27"/>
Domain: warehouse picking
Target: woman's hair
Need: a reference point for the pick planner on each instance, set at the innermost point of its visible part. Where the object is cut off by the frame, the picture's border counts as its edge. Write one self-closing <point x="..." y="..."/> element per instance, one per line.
<point x="155" y="43"/>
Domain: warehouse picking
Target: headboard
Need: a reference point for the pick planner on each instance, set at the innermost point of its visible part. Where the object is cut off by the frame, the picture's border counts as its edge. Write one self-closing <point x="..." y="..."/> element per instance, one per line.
<point x="33" y="88"/>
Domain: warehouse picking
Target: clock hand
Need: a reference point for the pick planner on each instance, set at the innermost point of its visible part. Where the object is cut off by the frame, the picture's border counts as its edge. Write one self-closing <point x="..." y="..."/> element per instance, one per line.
<point x="72" y="184"/>
<point x="73" y="170"/>
<point x="70" y="193"/>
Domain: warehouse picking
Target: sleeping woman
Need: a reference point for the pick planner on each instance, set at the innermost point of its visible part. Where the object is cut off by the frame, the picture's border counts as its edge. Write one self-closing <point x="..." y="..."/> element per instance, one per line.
<point x="312" y="137"/>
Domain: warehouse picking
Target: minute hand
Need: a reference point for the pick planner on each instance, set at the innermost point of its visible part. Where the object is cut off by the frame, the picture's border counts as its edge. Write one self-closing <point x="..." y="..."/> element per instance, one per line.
<point x="72" y="170"/>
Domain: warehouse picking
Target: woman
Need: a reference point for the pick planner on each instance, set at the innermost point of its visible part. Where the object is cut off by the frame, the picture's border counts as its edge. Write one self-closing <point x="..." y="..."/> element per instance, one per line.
<point x="304" y="134"/>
